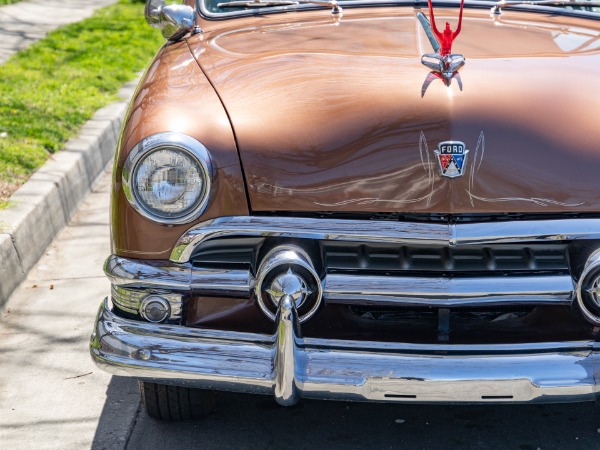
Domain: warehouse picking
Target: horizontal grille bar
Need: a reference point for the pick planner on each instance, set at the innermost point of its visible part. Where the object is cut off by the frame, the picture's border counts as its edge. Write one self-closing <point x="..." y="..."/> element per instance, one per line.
<point x="137" y="273"/>
<point x="448" y="292"/>
<point x="354" y="289"/>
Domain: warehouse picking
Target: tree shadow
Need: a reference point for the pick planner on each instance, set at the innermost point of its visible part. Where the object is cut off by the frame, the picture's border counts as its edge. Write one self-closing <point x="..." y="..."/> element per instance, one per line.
<point x="119" y="414"/>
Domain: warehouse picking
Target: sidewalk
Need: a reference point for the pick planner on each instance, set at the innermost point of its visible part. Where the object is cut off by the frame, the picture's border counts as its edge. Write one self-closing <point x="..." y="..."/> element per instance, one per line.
<point x="25" y="22"/>
<point x="51" y="394"/>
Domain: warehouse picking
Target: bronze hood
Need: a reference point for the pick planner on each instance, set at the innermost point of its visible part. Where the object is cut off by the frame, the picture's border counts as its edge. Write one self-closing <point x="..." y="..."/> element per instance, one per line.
<point x="338" y="117"/>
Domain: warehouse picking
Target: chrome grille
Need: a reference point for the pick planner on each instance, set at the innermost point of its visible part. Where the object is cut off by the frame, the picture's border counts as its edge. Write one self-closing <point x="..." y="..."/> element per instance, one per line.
<point x="404" y="264"/>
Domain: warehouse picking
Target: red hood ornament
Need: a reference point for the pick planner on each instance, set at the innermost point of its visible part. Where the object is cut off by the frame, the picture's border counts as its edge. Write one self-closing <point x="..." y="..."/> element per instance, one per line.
<point x="446" y="37"/>
<point x="443" y="63"/>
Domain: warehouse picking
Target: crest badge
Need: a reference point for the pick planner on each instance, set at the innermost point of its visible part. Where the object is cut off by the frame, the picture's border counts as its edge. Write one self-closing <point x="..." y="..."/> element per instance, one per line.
<point x="452" y="158"/>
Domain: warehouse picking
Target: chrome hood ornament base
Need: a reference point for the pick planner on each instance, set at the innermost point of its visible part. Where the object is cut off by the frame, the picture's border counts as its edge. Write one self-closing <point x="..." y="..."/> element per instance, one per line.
<point x="445" y="66"/>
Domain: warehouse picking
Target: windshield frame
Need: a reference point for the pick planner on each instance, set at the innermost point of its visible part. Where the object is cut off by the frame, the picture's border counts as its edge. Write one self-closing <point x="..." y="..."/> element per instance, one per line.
<point x="200" y="5"/>
<point x="416" y="4"/>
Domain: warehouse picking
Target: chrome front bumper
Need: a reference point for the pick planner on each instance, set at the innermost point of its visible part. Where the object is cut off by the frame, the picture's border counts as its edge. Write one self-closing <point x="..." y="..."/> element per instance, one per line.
<point x="290" y="367"/>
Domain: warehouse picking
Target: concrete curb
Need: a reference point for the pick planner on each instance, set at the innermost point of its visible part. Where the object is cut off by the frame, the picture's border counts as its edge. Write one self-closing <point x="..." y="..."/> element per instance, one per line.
<point x="46" y="202"/>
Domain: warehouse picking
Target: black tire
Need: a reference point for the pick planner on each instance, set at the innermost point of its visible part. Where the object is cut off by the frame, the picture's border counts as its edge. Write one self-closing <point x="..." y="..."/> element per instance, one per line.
<point x="176" y="403"/>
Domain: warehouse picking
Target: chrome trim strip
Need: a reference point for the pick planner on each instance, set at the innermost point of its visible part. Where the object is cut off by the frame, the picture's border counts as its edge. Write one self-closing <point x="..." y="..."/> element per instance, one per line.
<point x="448" y="292"/>
<point x="292" y="227"/>
<point x="222" y="282"/>
<point x="345" y="370"/>
<point x="380" y="231"/>
<point x="580" y="347"/>
<point x="154" y="274"/>
<point x="136" y="273"/>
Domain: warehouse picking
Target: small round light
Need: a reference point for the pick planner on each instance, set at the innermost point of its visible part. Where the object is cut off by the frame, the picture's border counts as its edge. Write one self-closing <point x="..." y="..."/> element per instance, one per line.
<point x="155" y="309"/>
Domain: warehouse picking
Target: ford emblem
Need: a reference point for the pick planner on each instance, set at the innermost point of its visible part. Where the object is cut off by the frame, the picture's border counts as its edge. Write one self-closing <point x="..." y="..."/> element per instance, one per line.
<point x="452" y="158"/>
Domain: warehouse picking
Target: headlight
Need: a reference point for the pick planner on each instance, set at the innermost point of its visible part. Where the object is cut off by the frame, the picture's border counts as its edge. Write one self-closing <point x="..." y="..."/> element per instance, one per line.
<point x="167" y="178"/>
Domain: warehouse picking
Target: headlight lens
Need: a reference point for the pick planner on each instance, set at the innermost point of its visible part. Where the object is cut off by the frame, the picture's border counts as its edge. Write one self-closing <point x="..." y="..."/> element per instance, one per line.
<point x="169" y="182"/>
<point x="167" y="178"/>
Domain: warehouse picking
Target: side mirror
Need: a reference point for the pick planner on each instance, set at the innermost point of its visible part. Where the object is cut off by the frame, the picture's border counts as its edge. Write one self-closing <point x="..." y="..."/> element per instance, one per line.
<point x="174" y="21"/>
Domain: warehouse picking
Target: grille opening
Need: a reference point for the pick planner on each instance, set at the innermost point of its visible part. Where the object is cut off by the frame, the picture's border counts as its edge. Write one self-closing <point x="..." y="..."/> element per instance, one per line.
<point x="386" y="321"/>
<point x="399" y="396"/>
<point x="432" y="217"/>
<point x="495" y="314"/>
<point x="372" y="257"/>
<point x="232" y="253"/>
<point x="504" y="258"/>
<point x="497" y="397"/>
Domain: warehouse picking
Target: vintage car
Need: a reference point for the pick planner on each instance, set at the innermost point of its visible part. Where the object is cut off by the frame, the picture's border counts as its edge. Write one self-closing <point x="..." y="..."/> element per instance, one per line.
<point x="363" y="200"/>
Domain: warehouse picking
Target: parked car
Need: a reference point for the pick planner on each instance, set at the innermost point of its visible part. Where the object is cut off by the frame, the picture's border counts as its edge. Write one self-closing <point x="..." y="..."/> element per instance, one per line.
<point x="362" y="200"/>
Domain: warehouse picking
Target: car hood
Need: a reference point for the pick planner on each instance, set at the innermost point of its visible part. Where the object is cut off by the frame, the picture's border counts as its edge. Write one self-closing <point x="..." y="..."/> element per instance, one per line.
<point x="342" y="117"/>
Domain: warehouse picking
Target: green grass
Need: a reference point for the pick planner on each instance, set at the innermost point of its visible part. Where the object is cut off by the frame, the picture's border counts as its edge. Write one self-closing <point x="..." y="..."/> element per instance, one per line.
<point x="8" y="2"/>
<point x="52" y="88"/>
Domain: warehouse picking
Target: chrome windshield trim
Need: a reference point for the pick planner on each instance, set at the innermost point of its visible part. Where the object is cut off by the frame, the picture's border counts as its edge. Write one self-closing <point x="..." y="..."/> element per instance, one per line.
<point x="291" y="367"/>
<point x="374" y="231"/>
<point x="531" y="4"/>
<point x="448" y="292"/>
<point x="204" y="12"/>
<point x="416" y="4"/>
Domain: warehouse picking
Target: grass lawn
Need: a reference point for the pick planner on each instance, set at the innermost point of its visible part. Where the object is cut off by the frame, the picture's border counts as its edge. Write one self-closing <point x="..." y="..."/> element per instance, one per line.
<point x="52" y="88"/>
<point x="8" y="2"/>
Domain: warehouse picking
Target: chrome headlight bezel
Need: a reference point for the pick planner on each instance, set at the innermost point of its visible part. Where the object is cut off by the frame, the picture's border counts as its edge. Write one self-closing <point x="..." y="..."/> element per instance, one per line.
<point x="173" y="141"/>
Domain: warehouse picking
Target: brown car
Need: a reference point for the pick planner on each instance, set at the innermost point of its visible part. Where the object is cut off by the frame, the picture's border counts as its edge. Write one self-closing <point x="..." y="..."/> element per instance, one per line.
<point x="359" y="200"/>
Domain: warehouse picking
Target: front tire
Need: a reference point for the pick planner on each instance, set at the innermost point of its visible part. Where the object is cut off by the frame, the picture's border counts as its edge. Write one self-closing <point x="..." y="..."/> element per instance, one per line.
<point x="176" y="403"/>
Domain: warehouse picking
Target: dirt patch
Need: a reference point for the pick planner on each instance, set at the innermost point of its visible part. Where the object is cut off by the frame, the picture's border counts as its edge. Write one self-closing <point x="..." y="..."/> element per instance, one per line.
<point x="6" y="190"/>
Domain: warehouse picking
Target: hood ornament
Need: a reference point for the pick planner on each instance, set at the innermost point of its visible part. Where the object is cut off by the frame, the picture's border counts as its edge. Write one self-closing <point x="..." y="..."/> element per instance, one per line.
<point x="443" y="63"/>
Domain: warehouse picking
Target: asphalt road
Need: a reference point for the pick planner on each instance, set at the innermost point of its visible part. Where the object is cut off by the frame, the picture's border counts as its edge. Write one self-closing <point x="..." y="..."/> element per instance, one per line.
<point x="256" y="422"/>
<point x="52" y="396"/>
